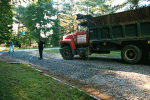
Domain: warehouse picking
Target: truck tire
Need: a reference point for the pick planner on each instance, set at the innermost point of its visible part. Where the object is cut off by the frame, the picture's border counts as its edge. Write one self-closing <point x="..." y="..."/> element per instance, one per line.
<point x="131" y="54"/>
<point x="67" y="53"/>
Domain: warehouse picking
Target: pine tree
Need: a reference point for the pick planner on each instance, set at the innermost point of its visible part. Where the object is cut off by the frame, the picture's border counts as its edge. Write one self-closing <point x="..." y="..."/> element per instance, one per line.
<point x="5" y="21"/>
<point x="95" y="7"/>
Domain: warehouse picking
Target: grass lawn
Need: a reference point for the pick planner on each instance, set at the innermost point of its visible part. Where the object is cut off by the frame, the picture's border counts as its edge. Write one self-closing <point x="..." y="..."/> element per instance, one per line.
<point x="23" y="82"/>
<point x="56" y="51"/>
<point x="16" y="48"/>
<point x="112" y="53"/>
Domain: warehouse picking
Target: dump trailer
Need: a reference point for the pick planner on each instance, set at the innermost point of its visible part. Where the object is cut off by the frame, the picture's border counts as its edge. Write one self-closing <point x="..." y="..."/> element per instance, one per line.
<point x="127" y="31"/>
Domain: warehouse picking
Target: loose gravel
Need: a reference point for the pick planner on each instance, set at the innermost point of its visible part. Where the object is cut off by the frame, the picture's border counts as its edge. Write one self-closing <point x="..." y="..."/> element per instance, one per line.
<point x="109" y="76"/>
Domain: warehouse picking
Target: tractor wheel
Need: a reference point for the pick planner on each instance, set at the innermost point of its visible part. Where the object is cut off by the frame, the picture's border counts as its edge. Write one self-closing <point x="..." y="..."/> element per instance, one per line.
<point x="67" y="53"/>
<point x="131" y="54"/>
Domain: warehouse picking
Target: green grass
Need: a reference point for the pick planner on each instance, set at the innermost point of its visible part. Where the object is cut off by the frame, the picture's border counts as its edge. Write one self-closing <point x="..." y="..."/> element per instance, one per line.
<point x="56" y="51"/>
<point x="22" y="48"/>
<point x="17" y="48"/>
<point x="112" y="53"/>
<point x="18" y="82"/>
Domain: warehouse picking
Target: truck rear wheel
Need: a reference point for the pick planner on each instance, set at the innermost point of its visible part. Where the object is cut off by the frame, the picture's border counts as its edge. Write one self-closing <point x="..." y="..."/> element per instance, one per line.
<point x="131" y="54"/>
<point x="67" y="53"/>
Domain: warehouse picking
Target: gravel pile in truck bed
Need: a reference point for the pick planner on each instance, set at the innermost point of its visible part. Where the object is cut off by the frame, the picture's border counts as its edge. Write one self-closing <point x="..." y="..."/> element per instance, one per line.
<point x="106" y="77"/>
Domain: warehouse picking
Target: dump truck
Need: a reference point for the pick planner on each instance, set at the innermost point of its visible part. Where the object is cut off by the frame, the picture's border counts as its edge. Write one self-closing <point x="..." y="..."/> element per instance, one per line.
<point x="127" y="31"/>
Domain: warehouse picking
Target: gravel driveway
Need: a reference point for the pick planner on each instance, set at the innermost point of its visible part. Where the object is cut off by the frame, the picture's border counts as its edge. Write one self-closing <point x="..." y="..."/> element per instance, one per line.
<point x="106" y="77"/>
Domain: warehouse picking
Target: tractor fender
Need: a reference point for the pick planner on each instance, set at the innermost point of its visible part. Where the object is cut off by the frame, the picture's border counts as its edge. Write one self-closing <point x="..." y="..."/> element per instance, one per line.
<point x="68" y="41"/>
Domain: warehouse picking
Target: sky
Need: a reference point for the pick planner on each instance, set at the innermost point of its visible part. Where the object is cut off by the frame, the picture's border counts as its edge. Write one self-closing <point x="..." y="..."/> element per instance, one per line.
<point x="116" y="2"/>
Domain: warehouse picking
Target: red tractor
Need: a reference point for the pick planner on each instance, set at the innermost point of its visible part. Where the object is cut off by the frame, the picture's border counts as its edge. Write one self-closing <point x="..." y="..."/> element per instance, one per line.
<point x="127" y="31"/>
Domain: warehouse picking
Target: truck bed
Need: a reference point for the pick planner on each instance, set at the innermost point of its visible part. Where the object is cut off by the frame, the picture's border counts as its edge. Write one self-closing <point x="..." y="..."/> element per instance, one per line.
<point x="139" y="30"/>
<point x="125" y="17"/>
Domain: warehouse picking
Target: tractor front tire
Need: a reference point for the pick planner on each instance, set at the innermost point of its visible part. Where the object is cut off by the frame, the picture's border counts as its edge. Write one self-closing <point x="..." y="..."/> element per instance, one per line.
<point x="67" y="53"/>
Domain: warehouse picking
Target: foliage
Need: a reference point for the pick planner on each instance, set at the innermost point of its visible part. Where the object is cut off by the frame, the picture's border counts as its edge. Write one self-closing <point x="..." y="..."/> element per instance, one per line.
<point x="56" y="33"/>
<point x="41" y="10"/>
<point x="67" y="14"/>
<point x="5" y="21"/>
<point x="68" y="23"/>
<point x="130" y="4"/>
<point x="95" y="7"/>
<point x="17" y="41"/>
<point x="36" y="16"/>
<point x="134" y="3"/>
<point x="67" y="18"/>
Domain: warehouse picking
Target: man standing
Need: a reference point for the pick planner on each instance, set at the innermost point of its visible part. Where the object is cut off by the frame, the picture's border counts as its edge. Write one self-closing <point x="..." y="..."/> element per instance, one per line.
<point x="40" y="46"/>
<point x="11" y="45"/>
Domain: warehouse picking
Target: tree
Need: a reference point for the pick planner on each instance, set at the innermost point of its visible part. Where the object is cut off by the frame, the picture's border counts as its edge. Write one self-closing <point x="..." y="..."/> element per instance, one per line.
<point x="134" y="3"/>
<point x="95" y="7"/>
<point x="5" y="21"/>
<point x="56" y="33"/>
<point x="67" y="14"/>
<point x="67" y="17"/>
<point x="130" y="4"/>
<point x="36" y="16"/>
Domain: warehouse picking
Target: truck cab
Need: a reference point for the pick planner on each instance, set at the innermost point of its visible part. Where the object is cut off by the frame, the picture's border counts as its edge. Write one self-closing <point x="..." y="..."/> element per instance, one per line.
<point x="76" y="43"/>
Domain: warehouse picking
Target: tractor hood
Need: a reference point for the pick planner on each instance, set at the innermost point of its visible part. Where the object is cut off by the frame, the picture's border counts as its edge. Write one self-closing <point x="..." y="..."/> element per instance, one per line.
<point x="68" y="36"/>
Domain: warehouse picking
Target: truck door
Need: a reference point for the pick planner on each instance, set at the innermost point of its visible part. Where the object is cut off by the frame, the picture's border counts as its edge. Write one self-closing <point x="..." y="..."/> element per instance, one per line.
<point x="82" y="36"/>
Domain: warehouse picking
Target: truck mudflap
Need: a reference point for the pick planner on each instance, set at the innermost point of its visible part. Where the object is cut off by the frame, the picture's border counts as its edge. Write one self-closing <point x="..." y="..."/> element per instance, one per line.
<point x="84" y="51"/>
<point x="81" y="51"/>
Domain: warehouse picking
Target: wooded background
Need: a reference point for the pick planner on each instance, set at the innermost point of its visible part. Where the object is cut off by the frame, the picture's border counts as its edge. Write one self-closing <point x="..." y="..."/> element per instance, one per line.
<point x="46" y="16"/>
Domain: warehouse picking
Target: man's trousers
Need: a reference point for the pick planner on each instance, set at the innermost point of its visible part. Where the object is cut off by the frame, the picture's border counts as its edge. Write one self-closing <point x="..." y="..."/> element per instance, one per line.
<point x="41" y="53"/>
<point x="11" y="47"/>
